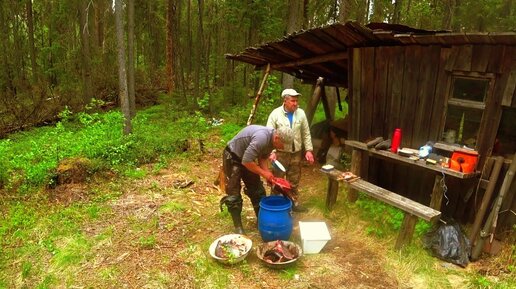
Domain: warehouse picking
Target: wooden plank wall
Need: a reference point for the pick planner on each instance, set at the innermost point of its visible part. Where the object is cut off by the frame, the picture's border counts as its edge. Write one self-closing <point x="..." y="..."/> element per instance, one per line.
<point x="407" y="87"/>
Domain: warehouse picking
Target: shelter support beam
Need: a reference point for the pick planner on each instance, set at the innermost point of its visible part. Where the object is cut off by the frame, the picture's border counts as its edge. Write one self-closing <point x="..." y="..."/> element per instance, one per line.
<point x="316" y="96"/>
<point x="313" y="60"/>
<point x="259" y="94"/>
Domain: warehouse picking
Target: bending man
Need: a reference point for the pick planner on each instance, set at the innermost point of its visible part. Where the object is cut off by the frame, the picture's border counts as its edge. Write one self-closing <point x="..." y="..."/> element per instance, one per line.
<point x="245" y="158"/>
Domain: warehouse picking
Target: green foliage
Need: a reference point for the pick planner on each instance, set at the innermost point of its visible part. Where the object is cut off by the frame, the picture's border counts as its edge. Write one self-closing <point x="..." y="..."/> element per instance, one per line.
<point x="136" y="173"/>
<point x="385" y="219"/>
<point x="229" y="130"/>
<point x="29" y="159"/>
<point x="321" y="116"/>
<point x="47" y="282"/>
<point x="17" y="221"/>
<point x="4" y="166"/>
<point x="147" y="242"/>
<point x="289" y="273"/>
<point x="73" y="252"/>
<point x="171" y="207"/>
<point x="480" y="282"/>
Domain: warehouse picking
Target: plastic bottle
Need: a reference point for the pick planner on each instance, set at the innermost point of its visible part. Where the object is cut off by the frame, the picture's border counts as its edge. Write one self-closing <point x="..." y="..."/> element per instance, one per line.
<point x="396" y="140"/>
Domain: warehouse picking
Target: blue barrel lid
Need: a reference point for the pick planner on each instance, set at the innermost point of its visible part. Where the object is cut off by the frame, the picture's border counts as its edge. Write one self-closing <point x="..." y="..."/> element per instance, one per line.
<point x="275" y="203"/>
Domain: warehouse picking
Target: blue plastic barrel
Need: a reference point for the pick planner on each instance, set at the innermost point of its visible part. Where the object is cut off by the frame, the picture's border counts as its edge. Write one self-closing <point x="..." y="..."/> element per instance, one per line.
<point x="274" y="218"/>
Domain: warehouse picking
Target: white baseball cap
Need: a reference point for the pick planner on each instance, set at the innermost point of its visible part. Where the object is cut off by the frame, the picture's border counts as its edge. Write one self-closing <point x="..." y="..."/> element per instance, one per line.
<point x="289" y="92"/>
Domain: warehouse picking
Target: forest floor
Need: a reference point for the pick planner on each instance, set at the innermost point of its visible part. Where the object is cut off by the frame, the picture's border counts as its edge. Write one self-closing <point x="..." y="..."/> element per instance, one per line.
<point x="157" y="231"/>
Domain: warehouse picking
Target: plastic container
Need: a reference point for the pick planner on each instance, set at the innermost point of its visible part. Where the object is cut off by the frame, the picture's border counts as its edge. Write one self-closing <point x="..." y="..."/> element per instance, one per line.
<point x="314" y="235"/>
<point x="239" y="239"/>
<point x="274" y="218"/>
<point x="396" y="140"/>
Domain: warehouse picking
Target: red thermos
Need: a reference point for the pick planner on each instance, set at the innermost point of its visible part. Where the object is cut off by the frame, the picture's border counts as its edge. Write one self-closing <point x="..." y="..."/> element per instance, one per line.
<point x="396" y="140"/>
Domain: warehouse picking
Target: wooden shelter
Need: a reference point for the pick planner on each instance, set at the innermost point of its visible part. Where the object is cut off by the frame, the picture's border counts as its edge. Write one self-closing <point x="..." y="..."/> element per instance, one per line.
<point x="434" y="85"/>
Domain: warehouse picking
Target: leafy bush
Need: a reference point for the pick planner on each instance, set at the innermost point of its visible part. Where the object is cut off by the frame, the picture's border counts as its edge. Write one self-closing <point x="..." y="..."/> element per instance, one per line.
<point x="33" y="156"/>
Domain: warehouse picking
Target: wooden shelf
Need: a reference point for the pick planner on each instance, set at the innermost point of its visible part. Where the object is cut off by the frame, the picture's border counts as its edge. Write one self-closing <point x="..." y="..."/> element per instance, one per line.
<point x="388" y="155"/>
<point x="452" y="148"/>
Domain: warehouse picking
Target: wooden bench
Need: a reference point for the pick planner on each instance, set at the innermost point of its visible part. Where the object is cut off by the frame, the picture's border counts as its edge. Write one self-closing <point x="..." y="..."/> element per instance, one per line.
<point x="412" y="210"/>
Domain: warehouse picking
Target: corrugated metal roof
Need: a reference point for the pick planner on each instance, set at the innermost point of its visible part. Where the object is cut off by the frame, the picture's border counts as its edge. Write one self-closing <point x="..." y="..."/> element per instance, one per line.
<point x="322" y="52"/>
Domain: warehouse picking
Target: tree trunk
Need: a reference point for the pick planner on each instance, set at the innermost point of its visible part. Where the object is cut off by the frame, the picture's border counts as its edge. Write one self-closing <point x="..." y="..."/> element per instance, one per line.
<point x="100" y="6"/>
<point x="360" y="10"/>
<point x="179" y="61"/>
<point x="189" y="37"/>
<point x="506" y="8"/>
<point x="200" y="51"/>
<point x="344" y="10"/>
<point x="294" y="21"/>
<point x="32" y="48"/>
<point x="86" y="55"/>
<point x="152" y="44"/>
<point x="170" y="46"/>
<point x="456" y="26"/>
<point x="130" y="58"/>
<point x="367" y="11"/>
<point x="396" y="15"/>
<point x="122" y="76"/>
<point x="407" y="11"/>
<point x="449" y="13"/>
<point x="305" y="14"/>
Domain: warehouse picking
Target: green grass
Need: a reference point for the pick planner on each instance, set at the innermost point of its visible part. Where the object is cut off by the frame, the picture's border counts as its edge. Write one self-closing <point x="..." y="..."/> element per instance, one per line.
<point x="208" y="273"/>
<point x="171" y="207"/>
<point x="384" y="218"/>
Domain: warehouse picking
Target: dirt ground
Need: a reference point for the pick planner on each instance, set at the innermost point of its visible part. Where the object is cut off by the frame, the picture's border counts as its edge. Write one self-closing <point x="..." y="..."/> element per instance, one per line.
<point x="160" y="227"/>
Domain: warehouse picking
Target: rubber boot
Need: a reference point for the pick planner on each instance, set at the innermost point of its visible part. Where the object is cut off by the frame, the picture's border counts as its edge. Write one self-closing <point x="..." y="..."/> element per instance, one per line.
<point x="256" y="210"/>
<point x="237" y="220"/>
<point x="296" y="206"/>
<point x="234" y="205"/>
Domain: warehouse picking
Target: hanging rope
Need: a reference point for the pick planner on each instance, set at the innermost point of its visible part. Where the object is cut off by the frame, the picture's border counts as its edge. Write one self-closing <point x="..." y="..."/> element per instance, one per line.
<point x="444" y="187"/>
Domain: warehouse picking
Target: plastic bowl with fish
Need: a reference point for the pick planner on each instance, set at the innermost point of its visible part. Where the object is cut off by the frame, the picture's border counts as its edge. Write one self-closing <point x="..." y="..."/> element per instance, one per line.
<point x="230" y="249"/>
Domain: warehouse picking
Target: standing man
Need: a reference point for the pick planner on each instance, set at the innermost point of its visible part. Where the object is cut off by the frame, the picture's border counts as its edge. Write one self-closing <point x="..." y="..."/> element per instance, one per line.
<point x="291" y="116"/>
<point x="246" y="158"/>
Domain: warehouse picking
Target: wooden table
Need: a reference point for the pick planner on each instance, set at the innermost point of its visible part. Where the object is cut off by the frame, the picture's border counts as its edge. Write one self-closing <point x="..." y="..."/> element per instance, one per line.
<point x="360" y="148"/>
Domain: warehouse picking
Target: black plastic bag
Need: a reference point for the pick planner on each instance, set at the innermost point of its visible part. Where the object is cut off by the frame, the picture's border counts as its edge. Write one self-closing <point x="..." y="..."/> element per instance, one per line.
<point x="449" y="243"/>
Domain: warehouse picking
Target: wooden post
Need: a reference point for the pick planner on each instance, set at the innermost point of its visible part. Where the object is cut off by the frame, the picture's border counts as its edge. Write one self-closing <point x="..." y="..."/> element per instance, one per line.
<point x="259" y="94"/>
<point x="356" y="164"/>
<point x="316" y="96"/>
<point x="326" y="104"/>
<point x="333" y="190"/>
<point x="437" y="194"/>
<point x="486" y="199"/>
<point x="406" y="231"/>
<point x="490" y="225"/>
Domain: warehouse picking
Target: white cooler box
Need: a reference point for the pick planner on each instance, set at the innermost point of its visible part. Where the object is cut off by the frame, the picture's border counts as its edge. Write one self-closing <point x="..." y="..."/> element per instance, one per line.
<point x="314" y="235"/>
